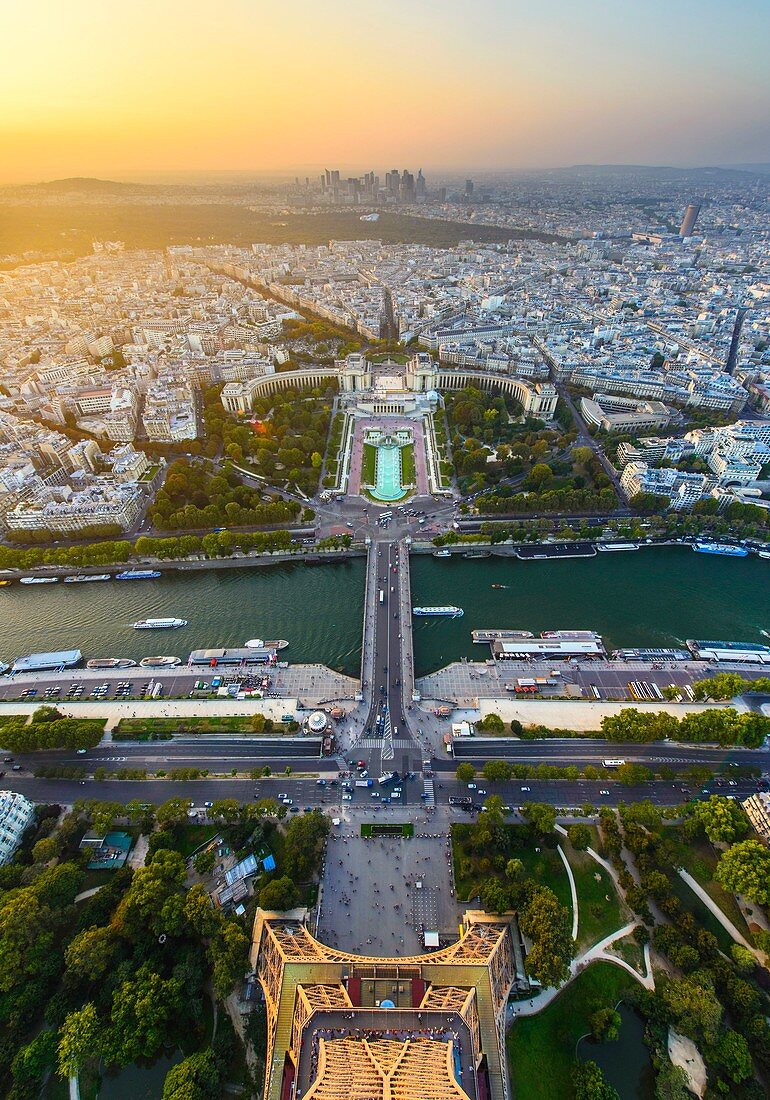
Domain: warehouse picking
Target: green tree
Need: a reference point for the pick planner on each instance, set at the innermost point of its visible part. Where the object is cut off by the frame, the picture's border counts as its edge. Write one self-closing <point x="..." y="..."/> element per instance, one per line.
<point x="725" y="685"/>
<point x="91" y="953"/>
<point x="465" y="773"/>
<point x="731" y="1053"/>
<point x="694" y="1005"/>
<point x="745" y="869"/>
<point x="497" y="771"/>
<point x="514" y="869"/>
<point x="229" y="955"/>
<point x="196" y="1077"/>
<point x="548" y="925"/>
<point x="579" y="836"/>
<point x="279" y="895"/>
<point x="743" y="958"/>
<point x="541" y="817"/>
<point x="205" y="860"/>
<point x="143" y="1009"/>
<point x="722" y="819"/>
<point x="604" y="1024"/>
<point x="34" y="1060"/>
<point x="172" y="812"/>
<point x="80" y="1038"/>
<point x="589" y="1083"/>
<point x="671" y="1083"/>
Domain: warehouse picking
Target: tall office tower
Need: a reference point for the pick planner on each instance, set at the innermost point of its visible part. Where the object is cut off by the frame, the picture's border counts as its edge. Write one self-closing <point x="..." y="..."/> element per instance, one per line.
<point x="689" y="219"/>
<point x="335" y="178"/>
<point x="469" y="188"/>
<point x="732" y="355"/>
<point x="328" y="178"/>
<point x="420" y="187"/>
<point x="442" y="194"/>
<point x="407" y="187"/>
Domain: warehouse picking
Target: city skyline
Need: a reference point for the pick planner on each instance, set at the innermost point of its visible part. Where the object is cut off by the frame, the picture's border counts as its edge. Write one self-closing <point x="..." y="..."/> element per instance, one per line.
<point x="107" y="91"/>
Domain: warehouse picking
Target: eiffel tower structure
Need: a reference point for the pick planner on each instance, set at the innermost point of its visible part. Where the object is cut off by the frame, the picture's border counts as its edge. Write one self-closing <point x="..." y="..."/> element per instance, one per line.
<point x="352" y="1027"/>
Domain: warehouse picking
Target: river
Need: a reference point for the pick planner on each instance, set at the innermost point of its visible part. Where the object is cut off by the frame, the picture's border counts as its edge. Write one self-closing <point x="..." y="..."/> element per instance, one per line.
<point x="655" y="596"/>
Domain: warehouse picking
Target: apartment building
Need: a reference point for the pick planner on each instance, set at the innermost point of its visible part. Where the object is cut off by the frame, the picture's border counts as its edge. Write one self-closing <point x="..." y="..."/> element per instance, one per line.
<point x="16" y="813"/>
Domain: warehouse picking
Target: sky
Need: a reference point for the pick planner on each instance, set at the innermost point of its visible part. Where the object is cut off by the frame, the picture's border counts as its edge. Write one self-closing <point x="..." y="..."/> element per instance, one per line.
<point x="108" y="88"/>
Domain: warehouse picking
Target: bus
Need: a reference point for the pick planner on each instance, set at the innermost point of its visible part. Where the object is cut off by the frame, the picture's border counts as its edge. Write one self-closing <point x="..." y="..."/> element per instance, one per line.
<point x="382" y="596"/>
<point x="613" y="763"/>
<point x="386" y="515"/>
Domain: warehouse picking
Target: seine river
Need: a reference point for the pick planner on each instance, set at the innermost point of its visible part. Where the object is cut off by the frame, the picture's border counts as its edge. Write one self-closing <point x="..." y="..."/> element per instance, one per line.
<point x="655" y="596"/>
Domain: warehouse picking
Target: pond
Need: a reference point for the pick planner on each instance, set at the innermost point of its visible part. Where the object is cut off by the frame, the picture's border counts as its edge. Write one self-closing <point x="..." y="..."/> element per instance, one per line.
<point x="625" y="1062"/>
<point x="138" y="1082"/>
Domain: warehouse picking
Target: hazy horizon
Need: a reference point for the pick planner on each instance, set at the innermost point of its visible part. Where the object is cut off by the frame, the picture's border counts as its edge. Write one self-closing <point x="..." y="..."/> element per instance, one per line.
<point x="113" y="91"/>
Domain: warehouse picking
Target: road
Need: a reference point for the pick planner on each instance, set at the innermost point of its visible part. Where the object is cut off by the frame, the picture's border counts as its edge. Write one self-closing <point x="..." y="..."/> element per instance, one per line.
<point x="387" y="744"/>
<point x="582" y="751"/>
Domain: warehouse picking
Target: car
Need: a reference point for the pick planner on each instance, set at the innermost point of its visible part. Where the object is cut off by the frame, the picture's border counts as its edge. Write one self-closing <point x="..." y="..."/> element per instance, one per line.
<point x="481" y="792"/>
<point x="604" y="792"/>
<point x="308" y="810"/>
<point x="471" y="786"/>
<point x="287" y="801"/>
<point x="526" y="789"/>
<point x="208" y="805"/>
<point x="294" y="809"/>
<point x="16" y="767"/>
<point x="81" y="752"/>
<point x="347" y="798"/>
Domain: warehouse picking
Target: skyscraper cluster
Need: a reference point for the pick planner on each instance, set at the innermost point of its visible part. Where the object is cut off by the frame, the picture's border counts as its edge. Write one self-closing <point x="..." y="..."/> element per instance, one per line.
<point x="399" y="187"/>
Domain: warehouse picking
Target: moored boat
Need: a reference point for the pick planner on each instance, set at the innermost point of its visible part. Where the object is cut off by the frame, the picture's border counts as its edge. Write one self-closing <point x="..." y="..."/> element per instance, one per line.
<point x="720" y="548"/>
<point x="137" y="574"/>
<point x="39" y="580"/>
<point x="84" y="578"/>
<point x="159" y="662"/>
<point x="111" y="662"/>
<point x="258" y="643"/>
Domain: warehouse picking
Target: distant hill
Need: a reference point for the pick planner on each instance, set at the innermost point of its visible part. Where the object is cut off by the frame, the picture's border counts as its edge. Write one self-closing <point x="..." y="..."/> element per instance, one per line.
<point x="85" y="183"/>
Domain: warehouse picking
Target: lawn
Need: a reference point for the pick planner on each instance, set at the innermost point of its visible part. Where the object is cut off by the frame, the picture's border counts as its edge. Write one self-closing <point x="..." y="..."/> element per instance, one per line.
<point x="541" y="1048"/>
<point x="368" y="464"/>
<point x="700" y="859"/>
<point x="408" y="470"/>
<point x="598" y="916"/>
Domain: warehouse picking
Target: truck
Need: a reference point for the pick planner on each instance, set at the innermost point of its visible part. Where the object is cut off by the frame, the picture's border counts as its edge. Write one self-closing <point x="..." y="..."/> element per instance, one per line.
<point x="364" y="782"/>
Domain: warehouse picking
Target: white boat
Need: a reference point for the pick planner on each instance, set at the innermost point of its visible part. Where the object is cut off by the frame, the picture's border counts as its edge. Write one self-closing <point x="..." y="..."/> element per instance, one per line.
<point x="84" y="578"/>
<point x="111" y="662"/>
<point x="448" y="611"/>
<point x="159" y="662"/>
<point x="608" y="547"/>
<point x="442" y="553"/>
<point x="258" y="643"/>
<point x="764" y="554"/>
<point x="39" y="580"/>
<point x="158" y="624"/>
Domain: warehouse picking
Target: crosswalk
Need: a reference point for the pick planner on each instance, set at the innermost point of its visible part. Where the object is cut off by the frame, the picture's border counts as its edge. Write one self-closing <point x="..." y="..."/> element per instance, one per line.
<point x="430" y="794"/>
<point x="374" y="743"/>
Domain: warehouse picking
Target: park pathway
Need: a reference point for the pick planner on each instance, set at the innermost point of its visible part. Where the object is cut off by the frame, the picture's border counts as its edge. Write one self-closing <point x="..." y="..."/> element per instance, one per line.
<point x="725" y="921"/>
